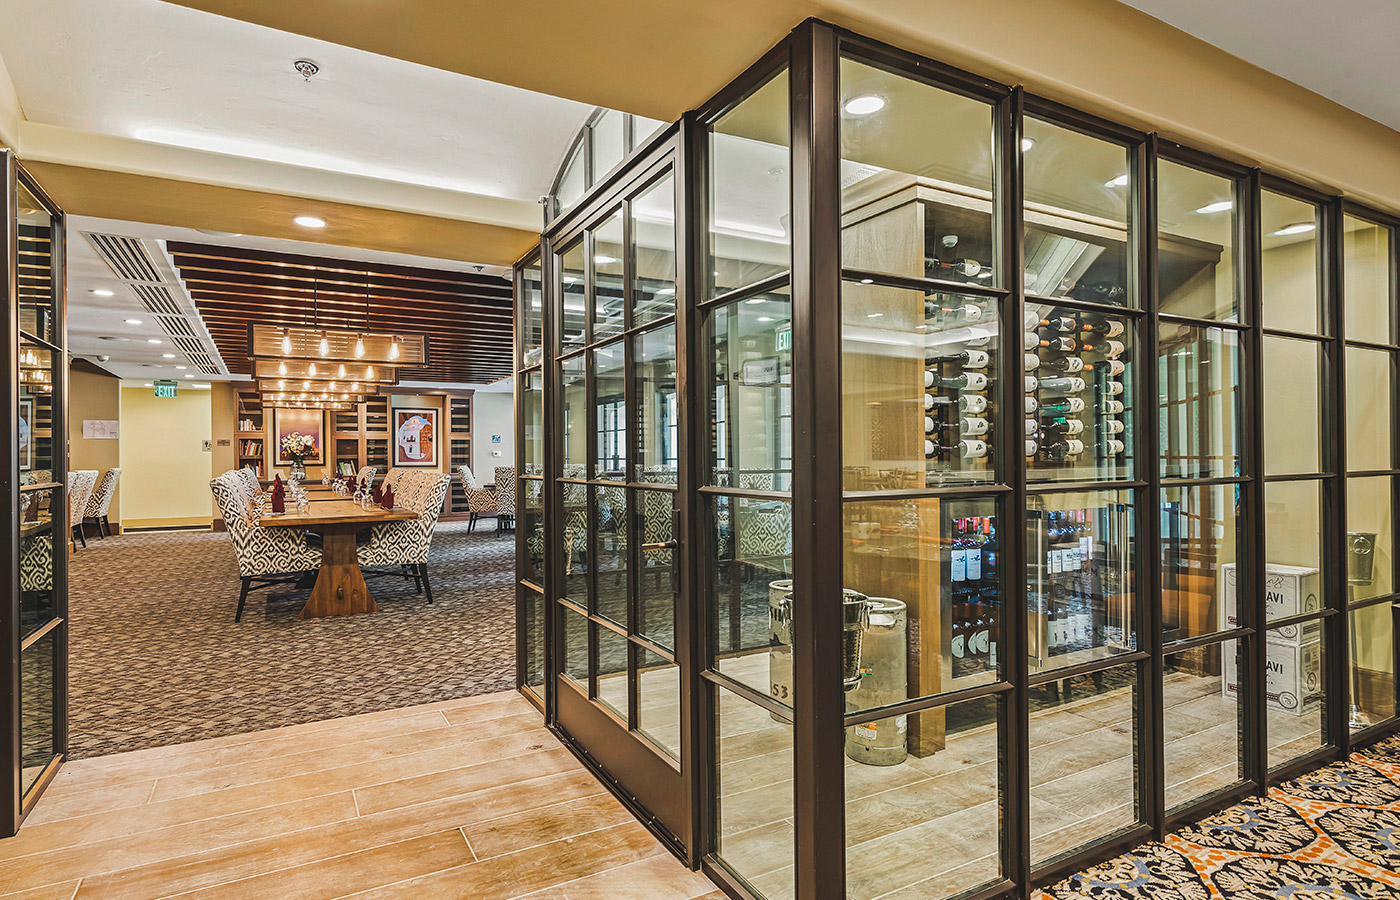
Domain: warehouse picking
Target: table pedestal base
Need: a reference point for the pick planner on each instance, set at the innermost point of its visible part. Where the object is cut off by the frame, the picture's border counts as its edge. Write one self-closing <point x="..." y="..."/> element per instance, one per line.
<point x="340" y="585"/>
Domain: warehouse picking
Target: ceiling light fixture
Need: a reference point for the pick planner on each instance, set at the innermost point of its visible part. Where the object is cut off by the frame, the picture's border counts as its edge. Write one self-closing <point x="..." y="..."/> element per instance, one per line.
<point x="1027" y="144"/>
<point x="282" y="368"/>
<point x="1120" y="181"/>
<point x="360" y="347"/>
<point x="394" y="348"/>
<point x="341" y="373"/>
<point x="1217" y="206"/>
<point x="103" y="292"/>
<point x="602" y="259"/>
<point x="864" y="105"/>
<point x="1295" y="228"/>
<point x="325" y="345"/>
<point x="168" y="355"/>
<point x="311" y="370"/>
<point x="153" y="340"/>
<point x="286" y="341"/>
<point x="310" y="222"/>
<point x="133" y="321"/>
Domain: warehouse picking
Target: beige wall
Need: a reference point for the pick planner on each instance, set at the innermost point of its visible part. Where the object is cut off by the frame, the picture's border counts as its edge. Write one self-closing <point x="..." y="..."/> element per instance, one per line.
<point x="492" y="413"/>
<point x="165" y="469"/>
<point x="92" y="396"/>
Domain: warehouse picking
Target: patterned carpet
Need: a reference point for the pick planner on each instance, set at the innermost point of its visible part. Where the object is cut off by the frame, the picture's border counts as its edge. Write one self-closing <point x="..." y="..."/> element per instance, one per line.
<point x="1333" y="833"/>
<point x="156" y="658"/>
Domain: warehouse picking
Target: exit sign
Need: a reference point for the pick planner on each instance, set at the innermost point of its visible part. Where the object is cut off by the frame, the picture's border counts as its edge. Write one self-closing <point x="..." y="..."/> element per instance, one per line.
<point x="783" y="340"/>
<point x="165" y="388"/>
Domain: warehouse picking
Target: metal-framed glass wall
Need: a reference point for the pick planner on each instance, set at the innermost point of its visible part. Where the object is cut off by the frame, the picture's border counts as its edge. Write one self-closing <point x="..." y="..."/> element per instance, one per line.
<point x="1042" y="476"/>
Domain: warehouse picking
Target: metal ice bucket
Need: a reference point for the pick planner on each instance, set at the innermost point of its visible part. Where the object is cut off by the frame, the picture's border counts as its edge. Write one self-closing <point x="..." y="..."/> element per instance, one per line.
<point x="1361" y="557"/>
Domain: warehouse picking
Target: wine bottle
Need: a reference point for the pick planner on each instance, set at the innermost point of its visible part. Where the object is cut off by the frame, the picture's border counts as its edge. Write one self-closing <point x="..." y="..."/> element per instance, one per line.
<point x="1062" y="344"/>
<point x="1062" y="448"/>
<point x="968" y="381"/>
<point x="968" y="359"/>
<point x="1032" y="384"/>
<point x="967" y="449"/>
<point x="1031" y="448"/>
<point x="972" y="403"/>
<point x="1030" y="341"/>
<point x="1062" y="428"/>
<point x="1105" y="327"/>
<point x="1063" y="405"/>
<point x="1111" y="447"/>
<point x="1113" y="407"/>
<point x="1112" y="426"/>
<point x="1059" y="323"/>
<point x="1067" y="364"/>
<point x="1031" y="320"/>
<point x="1113" y="388"/>
<point x="1032" y="404"/>
<point x="1032" y="427"/>
<point x="968" y="426"/>
<point x="1107" y="349"/>
<point x="1112" y="366"/>
<point x="1065" y="385"/>
<point x="1032" y="362"/>
<point x="1099" y="292"/>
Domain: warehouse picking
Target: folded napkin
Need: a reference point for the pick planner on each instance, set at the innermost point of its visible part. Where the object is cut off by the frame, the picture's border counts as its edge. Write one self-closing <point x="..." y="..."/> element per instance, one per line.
<point x="277" y="482"/>
<point x="375" y="494"/>
<point x="279" y="499"/>
<point x="387" y="498"/>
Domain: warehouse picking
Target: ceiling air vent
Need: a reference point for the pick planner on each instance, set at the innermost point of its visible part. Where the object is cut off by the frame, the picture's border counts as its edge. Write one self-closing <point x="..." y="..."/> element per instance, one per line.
<point x="157" y="299"/>
<point x="126" y="255"/>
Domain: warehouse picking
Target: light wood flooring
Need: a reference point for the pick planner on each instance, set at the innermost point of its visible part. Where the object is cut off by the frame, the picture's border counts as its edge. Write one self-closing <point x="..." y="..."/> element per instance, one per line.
<point x="468" y="798"/>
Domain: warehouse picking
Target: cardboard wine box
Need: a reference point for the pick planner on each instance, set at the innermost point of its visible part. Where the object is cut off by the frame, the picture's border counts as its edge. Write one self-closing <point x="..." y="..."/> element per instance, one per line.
<point x="1294" y="675"/>
<point x="1289" y="590"/>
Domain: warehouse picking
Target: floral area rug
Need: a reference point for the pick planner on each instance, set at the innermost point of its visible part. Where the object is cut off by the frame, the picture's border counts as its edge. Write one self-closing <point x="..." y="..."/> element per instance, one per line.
<point x="1329" y="835"/>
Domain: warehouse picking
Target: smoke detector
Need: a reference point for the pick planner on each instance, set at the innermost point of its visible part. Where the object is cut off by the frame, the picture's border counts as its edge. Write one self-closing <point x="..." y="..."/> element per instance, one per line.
<point x="305" y="68"/>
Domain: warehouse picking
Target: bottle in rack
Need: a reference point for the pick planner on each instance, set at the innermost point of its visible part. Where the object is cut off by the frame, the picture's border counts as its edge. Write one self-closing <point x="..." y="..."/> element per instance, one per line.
<point x="965" y="381"/>
<point x="1062" y="405"/>
<point x="966" y="449"/>
<point x="967" y="359"/>
<point x="967" y="426"/>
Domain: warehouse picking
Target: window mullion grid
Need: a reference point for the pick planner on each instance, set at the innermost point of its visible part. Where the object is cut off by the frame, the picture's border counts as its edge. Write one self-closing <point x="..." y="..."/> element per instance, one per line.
<point x="1337" y="656"/>
<point x="1251" y="595"/>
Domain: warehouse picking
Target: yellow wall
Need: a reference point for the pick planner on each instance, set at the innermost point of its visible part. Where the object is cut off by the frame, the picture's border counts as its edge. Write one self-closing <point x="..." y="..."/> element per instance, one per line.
<point x="165" y="469"/>
<point x="92" y="396"/>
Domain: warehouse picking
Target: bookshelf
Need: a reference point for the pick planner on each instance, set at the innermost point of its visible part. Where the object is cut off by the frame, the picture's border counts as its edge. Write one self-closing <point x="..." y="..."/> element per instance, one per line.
<point x="250" y="434"/>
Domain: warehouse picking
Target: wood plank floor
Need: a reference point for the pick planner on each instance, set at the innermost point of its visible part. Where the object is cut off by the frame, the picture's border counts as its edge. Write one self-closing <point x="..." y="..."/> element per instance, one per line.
<point x="467" y="798"/>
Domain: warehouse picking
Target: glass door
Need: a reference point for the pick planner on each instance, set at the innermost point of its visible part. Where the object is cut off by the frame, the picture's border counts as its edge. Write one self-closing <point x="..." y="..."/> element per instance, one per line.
<point x="616" y="470"/>
<point x="34" y="621"/>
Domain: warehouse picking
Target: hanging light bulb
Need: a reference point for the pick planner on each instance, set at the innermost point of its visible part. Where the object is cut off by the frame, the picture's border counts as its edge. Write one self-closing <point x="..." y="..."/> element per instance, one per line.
<point x="282" y="368"/>
<point x="281" y="384"/>
<point x="359" y="346"/>
<point x="332" y="385"/>
<point x="369" y="373"/>
<point x="312" y="370"/>
<point x="286" y="342"/>
<point x="306" y="385"/>
<point x="325" y="345"/>
<point x="342" y="370"/>
<point x="355" y="387"/>
<point x="394" y="348"/>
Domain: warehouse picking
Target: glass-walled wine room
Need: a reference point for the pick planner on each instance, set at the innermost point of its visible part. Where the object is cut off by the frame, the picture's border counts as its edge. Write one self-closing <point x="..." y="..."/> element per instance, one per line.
<point x="929" y="490"/>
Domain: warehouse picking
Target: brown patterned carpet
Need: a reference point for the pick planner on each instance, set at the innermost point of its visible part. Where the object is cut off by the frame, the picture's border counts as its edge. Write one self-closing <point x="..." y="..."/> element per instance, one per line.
<point x="156" y="658"/>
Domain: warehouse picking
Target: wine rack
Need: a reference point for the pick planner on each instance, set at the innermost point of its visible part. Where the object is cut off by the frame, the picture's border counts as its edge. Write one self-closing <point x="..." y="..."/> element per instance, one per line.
<point x="972" y="598"/>
<point x="959" y="379"/>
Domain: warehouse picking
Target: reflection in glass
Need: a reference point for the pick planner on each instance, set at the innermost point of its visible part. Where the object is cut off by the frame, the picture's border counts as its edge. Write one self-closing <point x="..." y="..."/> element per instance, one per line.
<point x="916" y="178"/>
<point x="1198" y="385"/>
<point x="608" y="300"/>
<point x="1368" y="409"/>
<point x="945" y="797"/>
<point x="659" y="701"/>
<point x="1366" y="280"/>
<point x="656" y="595"/>
<point x="577" y="560"/>
<point x="531" y="317"/>
<point x="609" y="134"/>
<point x="610" y="399"/>
<point x="658" y="406"/>
<point x="750" y="190"/>
<point x="1370" y="542"/>
<point x="751" y="412"/>
<point x="573" y="300"/>
<point x="575" y="645"/>
<point x="1080" y="374"/>
<point x="573" y="394"/>
<point x="533" y="611"/>
<point x="38" y="738"/>
<point x="610" y="539"/>
<point x="532" y="527"/>
<point x="920" y="373"/>
<point x="1289" y="273"/>
<point x="1082" y="776"/>
<point x="1080" y="591"/>
<point x="1292" y="406"/>
<point x="1200" y="540"/>
<point x="751" y="592"/>
<point x="35" y="283"/>
<point x="532" y="413"/>
<point x="1077" y="234"/>
<point x="1196" y="269"/>
<point x="1201" y="723"/>
<point x="1296" y="688"/>
<point x="754" y="807"/>
<point x="1292" y="547"/>
<point x="612" y="669"/>
<point x="37" y="605"/>
<point x="1372" y="664"/>
<point x="654" y="234"/>
<point x="572" y="183"/>
<point x="927" y="571"/>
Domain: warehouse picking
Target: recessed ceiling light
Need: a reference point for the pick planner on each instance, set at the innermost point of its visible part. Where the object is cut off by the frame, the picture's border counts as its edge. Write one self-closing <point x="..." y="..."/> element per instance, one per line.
<point x="103" y="292"/>
<point x="604" y="260"/>
<point x="864" y="105"/>
<point x="1027" y="143"/>
<point x="310" y="222"/>
<point x="168" y="355"/>
<point x="753" y="301"/>
<point x="182" y="367"/>
<point x="149" y="384"/>
<point x="189" y="375"/>
<point x="1217" y="206"/>
<point x="133" y="321"/>
<point x="1296" y="228"/>
<point x="874" y="315"/>
<point x="765" y="318"/>
<point x="1120" y="181"/>
<point x="153" y="340"/>
<point x="867" y="281"/>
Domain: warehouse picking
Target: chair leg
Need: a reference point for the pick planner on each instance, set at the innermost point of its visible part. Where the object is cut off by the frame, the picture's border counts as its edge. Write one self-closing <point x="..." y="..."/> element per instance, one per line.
<point x="107" y="526"/>
<point x="242" y="598"/>
<point x="427" y="588"/>
<point x="411" y="571"/>
<point x="471" y="523"/>
<point x="78" y="534"/>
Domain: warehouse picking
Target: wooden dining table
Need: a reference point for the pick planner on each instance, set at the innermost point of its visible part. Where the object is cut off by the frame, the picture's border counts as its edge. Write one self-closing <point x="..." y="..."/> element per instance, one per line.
<point x="340" y="588"/>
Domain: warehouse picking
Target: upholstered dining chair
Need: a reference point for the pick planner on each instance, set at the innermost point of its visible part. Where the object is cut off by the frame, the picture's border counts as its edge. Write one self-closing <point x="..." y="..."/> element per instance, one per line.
<point x="80" y="485"/>
<point x="250" y="480"/>
<point x="365" y="477"/>
<point x="480" y="501"/>
<point x="101" y="503"/>
<point x="401" y="548"/>
<point x="505" y="497"/>
<point x="34" y="501"/>
<point x="391" y="477"/>
<point x="265" y="556"/>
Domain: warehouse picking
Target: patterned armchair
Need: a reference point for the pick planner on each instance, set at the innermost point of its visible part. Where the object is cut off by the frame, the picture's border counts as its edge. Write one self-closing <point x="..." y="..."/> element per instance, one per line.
<point x="402" y="547"/>
<point x="101" y="503"/>
<point x="505" y="496"/>
<point x="480" y="501"/>
<point x="391" y="477"/>
<point x="251" y="485"/>
<point x="34" y="501"/>
<point x="80" y="485"/>
<point x="266" y="556"/>
<point x="365" y="477"/>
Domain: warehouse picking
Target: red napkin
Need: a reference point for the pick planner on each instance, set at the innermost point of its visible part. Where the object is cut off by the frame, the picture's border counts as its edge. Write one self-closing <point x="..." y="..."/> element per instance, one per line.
<point x="279" y="499"/>
<point x="277" y="482"/>
<point x="375" y="494"/>
<point x="387" y="499"/>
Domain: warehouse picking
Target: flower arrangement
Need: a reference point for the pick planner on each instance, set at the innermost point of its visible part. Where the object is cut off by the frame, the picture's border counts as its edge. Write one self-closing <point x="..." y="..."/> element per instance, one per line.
<point x="298" y="446"/>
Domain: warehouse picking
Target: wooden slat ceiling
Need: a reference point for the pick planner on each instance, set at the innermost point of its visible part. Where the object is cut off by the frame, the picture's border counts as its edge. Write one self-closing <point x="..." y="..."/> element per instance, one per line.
<point x="467" y="317"/>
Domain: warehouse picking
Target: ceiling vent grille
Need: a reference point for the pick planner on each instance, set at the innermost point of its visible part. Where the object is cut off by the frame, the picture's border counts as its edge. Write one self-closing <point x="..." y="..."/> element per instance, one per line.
<point x="127" y="256"/>
<point x="177" y="327"/>
<point x="157" y="299"/>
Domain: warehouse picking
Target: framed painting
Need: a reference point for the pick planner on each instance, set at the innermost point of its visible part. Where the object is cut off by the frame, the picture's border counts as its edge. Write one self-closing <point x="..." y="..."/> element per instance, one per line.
<point x="308" y="422"/>
<point x="415" y="437"/>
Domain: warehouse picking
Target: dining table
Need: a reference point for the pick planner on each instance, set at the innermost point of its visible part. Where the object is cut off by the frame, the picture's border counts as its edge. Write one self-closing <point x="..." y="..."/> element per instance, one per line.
<point x="340" y="588"/>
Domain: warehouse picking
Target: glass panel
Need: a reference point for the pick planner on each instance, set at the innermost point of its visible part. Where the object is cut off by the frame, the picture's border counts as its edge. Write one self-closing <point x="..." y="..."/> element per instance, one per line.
<point x="1201" y="530"/>
<point x="926" y="574"/>
<point x="572" y="182"/>
<point x="1370" y="538"/>
<point x="573" y="302"/>
<point x="1368" y="409"/>
<point x="37" y="606"/>
<point x="1367" y="280"/>
<point x="1295" y="684"/>
<point x="1082" y="777"/>
<point x="575" y="628"/>
<point x="750" y="190"/>
<point x="609" y="142"/>
<point x="751" y="592"/>
<point x="1290" y="272"/>
<point x="36" y="380"/>
<point x="532" y="410"/>
<point x="643" y="128"/>
<point x="574" y="400"/>
<point x="1077" y="234"/>
<point x="751" y="342"/>
<point x="612" y="670"/>
<point x="35" y="266"/>
<point x="38" y="727"/>
<point x="534" y="640"/>
<point x="1199" y="381"/>
<point x="532" y="318"/>
<point x="610" y="396"/>
<point x="577" y="561"/>
<point x="532" y="526"/>
<point x="1196" y="270"/>
<point x="654" y="233"/>
<point x="900" y="805"/>
<point x="656" y="597"/>
<point x="919" y="374"/>
<point x="1292" y="548"/>
<point x="1201" y="722"/>
<point x="1082" y="602"/>
<point x="610" y="536"/>
<point x="916" y="178"/>
<point x="659" y="701"/>
<point x="1081" y="390"/>
<point x="754" y="807"/>
<point x="1292" y="406"/>
<point x="1372" y="665"/>
<point x="608" y="300"/>
<point x="658" y="406"/>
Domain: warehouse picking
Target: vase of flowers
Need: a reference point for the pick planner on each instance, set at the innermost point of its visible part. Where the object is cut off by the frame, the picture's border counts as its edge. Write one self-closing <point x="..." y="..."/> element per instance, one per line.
<point x="297" y="447"/>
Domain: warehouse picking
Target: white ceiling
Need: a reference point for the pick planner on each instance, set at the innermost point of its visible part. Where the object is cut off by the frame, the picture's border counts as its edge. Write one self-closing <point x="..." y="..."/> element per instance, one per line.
<point x="1341" y="49"/>
<point x="153" y="71"/>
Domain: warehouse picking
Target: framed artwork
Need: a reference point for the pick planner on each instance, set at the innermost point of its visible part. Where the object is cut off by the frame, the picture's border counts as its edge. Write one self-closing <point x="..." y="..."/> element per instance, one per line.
<point x="415" y="437"/>
<point x="26" y="434"/>
<point x="308" y="422"/>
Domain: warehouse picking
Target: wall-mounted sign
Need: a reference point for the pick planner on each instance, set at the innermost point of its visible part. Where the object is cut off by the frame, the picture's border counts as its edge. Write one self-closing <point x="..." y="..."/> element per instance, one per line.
<point x="495" y="438"/>
<point x="100" y="429"/>
<point x="165" y="389"/>
<point x="760" y="372"/>
<point x="783" y="339"/>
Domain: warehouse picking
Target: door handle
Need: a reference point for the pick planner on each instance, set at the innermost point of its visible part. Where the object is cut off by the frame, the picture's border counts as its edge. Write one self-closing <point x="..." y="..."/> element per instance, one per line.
<point x="660" y="545"/>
